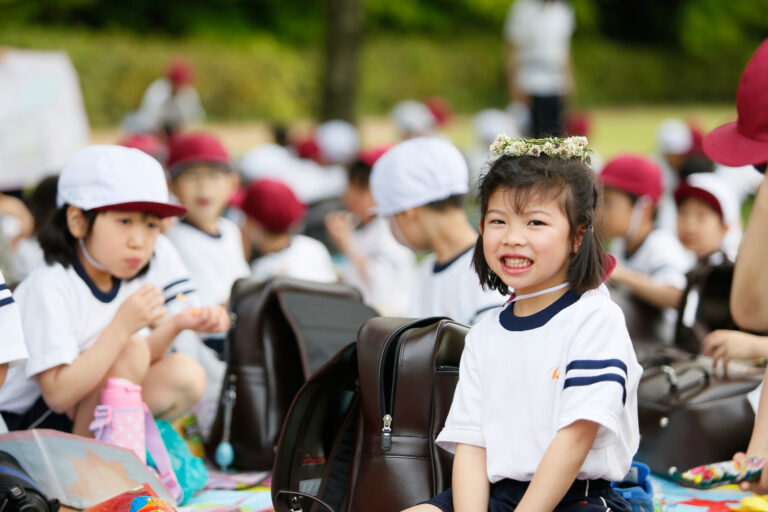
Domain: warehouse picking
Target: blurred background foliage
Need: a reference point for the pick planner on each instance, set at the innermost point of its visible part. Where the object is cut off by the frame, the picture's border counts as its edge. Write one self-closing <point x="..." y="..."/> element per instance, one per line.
<point x="261" y="59"/>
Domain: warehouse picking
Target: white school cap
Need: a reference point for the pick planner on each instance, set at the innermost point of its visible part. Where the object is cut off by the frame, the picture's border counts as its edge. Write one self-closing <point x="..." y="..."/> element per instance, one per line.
<point x="413" y="118"/>
<point x="674" y="137"/>
<point x="489" y="123"/>
<point x="115" y="178"/>
<point x="338" y="141"/>
<point x="416" y="172"/>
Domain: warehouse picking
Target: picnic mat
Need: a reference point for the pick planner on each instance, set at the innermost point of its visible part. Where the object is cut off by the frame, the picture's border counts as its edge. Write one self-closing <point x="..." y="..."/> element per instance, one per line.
<point x="671" y="497"/>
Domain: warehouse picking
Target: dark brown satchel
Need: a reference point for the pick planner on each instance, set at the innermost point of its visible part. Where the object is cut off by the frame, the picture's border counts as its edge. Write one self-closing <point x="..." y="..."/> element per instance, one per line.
<point x="360" y="433"/>
<point x="690" y="416"/>
<point x="284" y="330"/>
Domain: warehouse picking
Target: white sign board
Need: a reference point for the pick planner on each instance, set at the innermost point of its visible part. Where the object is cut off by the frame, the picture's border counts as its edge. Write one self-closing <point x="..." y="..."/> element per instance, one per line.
<point x="42" y="117"/>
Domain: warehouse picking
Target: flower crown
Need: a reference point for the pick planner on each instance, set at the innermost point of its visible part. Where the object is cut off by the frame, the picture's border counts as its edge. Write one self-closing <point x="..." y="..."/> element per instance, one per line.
<point x="555" y="147"/>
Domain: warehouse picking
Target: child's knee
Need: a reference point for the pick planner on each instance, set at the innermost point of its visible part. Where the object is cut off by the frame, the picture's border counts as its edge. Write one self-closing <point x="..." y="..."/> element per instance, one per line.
<point x="187" y="376"/>
<point x="133" y="361"/>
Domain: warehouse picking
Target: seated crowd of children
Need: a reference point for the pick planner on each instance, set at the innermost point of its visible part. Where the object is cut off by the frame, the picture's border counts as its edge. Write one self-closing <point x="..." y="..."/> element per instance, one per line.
<point x="134" y="249"/>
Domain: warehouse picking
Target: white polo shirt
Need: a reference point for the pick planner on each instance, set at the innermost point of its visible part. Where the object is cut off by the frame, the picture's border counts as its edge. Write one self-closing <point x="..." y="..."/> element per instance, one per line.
<point x="62" y="313"/>
<point x="660" y="256"/>
<point x="305" y="258"/>
<point x="214" y="262"/>
<point x="12" y="347"/>
<point x="451" y="289"/>
<point x="522" y="379"/>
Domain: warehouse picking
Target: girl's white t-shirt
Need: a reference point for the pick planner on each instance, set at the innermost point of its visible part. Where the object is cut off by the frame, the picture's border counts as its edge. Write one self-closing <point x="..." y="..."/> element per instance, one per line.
<point x="12" y="348"/>
<point x="522" y="379"/>
<point x="62" y="313"/>
<point x="214" y="262"/>
<point x="305" y="258"/>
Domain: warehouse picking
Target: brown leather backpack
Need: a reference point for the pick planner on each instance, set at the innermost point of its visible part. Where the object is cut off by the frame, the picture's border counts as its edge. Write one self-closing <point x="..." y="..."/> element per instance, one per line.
<point x="284" y="329"/>
<point x="360" y="433"/>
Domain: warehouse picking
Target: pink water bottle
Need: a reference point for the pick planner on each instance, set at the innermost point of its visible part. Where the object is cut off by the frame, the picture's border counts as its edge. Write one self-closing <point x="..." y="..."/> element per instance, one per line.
<point x="119" y="418"/>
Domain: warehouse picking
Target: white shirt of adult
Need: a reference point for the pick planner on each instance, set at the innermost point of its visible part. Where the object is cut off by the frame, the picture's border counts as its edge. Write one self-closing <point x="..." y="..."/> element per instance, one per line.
<point x="159" y="105"/>
<point x="214" y="262"/>
<point x="541" y="33"/>
<point x="304" y="258"/>
<point x="451" y="289"/>
<point x="522" y="379"/>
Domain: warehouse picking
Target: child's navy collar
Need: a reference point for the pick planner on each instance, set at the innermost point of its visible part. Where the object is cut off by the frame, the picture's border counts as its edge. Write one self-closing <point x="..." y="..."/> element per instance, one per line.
<point x="196" y="227"/>
<point x="105" y="297"/>
<point x="512" y="322"/>
<point x="439" y="267"/>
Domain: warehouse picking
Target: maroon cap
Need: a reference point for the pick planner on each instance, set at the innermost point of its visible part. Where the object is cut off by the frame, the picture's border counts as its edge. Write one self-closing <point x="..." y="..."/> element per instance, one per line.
<point x="745" y="141"/>
<point x="273" y="205"/>
<point x="440" y="108"/>
<point x="195" y="148"/>
<point x="369" y="156"/>
<point x="147" y="143"/>
<point x="308" y="148"/>
<point x="635" y="175"/>
<point x="180" y="71"/>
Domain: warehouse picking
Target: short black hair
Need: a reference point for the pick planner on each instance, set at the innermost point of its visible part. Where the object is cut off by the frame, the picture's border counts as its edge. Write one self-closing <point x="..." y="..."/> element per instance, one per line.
<point x="359" y="173"/>
<point x="580" y="192"/>
<point x="453" y="202"/>
<point x="42" y="201"/>
<point x="58" y="244"/>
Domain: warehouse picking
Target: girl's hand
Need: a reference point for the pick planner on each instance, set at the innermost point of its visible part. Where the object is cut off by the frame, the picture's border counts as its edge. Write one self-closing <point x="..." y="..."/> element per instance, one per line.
<point x="204" y="319"/>
<point x="759" y="487"/>
<point x="724" y="345"/>
<point x="142" y="309"/>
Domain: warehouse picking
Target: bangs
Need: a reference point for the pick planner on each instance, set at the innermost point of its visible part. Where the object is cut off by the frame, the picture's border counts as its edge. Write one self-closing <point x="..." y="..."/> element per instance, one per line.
<point x="519" y="198"/>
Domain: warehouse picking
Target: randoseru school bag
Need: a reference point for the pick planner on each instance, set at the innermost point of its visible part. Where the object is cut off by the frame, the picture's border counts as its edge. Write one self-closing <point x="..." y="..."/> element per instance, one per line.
<point x="284" y="329"/>
<point x="360" y="433"/>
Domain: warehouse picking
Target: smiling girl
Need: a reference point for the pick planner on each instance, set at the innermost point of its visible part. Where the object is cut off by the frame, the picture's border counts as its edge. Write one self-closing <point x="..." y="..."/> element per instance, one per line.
<point x="545" y="412"/>
<point x="89" y="315"/>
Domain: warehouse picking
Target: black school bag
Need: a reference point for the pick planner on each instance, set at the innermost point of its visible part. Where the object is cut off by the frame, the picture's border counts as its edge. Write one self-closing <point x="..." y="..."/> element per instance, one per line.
<point x="360" y="433"/>
<point x="284" y="329"/>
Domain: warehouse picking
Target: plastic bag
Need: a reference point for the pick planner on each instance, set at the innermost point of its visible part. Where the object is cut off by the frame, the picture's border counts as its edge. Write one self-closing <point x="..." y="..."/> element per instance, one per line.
<point x="190" y="470"/>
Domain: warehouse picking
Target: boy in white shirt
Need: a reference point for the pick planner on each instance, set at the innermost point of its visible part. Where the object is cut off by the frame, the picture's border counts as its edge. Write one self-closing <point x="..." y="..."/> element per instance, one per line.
<point x="202" y="178"/>
<point x="377" y="264"/>
<point x="273" y="216"/>
<point x="420" y="185"/>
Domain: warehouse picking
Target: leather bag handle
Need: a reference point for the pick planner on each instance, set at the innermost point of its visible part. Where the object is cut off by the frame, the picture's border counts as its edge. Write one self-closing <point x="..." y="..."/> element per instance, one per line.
<point x="292" y="499"/>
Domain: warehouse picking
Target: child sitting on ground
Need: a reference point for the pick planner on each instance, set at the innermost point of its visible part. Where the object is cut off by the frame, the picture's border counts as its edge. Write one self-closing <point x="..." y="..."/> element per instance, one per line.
<point x="273" y="215"/>
<point x="651" y="262"/>
<point x="201" y="177"/>
<point x="377" y="264"/>
<point x="13" y="349"/>
<point x="85" y="315"/>
<point x="420" y="185"/>
<point x="544" y="415"/>
<point x="707" y="209"/>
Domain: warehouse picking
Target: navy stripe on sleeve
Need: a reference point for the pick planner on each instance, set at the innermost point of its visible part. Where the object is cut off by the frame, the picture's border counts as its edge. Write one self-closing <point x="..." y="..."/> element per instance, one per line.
<point x="185" y="292"/>
<point x="3" y="287"/>
<point x="171" y="285"/>
<point x="596" y="364"/>
<point x="6" y="301"/>
<point x="606" y="377"/>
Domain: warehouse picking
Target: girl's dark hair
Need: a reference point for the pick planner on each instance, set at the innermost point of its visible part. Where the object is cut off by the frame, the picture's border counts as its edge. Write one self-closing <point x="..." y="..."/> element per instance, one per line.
<point x="57" y="243"/>
<point x="575" y="183"/>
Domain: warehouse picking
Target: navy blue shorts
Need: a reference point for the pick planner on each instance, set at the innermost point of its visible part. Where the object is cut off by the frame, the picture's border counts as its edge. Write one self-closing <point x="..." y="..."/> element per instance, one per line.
<point x="38" y="416"/>
<point x="583" y="496"/>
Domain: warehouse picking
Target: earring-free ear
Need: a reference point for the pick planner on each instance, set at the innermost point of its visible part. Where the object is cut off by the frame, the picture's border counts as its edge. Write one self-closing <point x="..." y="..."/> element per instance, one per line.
<point x="76" y="222"/>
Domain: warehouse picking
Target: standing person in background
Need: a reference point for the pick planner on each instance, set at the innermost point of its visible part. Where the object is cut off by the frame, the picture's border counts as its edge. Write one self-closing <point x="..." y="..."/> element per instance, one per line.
<point x="538" y="33"/>
<point x="745" y="142"/>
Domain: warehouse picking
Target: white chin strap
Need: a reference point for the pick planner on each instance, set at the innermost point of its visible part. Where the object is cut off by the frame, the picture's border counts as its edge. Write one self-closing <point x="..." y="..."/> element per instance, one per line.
<point x="88" y="257"/>
<point x="637" y="217"/>
<point x="540" y="292"/>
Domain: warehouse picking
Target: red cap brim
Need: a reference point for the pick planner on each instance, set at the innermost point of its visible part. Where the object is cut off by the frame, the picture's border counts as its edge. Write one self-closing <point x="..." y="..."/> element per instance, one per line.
<point x="162" y="210"/>
<point x="727" y="146"/>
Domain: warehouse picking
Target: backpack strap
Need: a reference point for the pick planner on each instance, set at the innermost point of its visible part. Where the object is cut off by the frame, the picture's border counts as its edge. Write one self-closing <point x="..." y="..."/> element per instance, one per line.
<point x="159" y="452"/>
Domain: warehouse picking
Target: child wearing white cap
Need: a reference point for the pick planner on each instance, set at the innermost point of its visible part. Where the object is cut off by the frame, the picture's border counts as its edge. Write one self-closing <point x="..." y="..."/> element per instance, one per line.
<point x="420" y="185"/>
<point x="86" y="315"/>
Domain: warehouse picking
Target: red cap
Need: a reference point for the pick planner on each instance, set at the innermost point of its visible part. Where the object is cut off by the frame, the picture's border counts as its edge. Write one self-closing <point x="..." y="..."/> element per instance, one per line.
<point x="308" y="148"/>
<point x="147" y="143"/>
<point x="440" y="108"/>
<point x="273" y="205"/>
<point x="195" y="148"/>
<point x="635" y="175"/>
<point x="578" y="124"/>
<point x="745" y="141"/>
<point x="180" y="71"/>
<point x="369" y="156"/>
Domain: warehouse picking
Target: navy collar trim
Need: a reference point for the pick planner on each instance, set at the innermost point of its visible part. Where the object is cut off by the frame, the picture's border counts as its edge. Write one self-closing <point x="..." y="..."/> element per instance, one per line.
<point x="439" y="267"/>
<point x="512" y="322"/>
<point x="211" y="235"/>
<point x="105" y="297"/>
